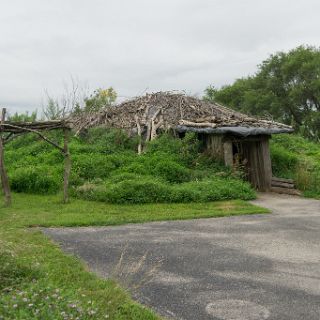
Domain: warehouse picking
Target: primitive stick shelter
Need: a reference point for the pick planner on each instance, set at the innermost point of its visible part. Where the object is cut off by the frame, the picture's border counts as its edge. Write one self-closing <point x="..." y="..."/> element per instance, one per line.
<point x="10" y="130"/>
<point x="232" y="137"/>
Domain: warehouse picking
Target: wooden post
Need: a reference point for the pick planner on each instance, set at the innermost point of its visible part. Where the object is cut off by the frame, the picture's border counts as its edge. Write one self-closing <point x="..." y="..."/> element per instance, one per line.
<point x="267" y="166"/>
<point x="228" y="154"/>
<point x="67" y="165"/>
<point x="139" y="134"/>
<point x="3" y="172"/>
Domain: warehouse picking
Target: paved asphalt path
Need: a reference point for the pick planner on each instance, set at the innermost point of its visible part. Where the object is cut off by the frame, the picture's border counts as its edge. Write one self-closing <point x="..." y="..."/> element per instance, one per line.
<point x="234" y="268"/>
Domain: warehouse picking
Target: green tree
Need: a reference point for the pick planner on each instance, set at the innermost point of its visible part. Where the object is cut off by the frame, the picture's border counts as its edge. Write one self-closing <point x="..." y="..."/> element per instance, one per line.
<point x="286" y="87"/>
<point x="52" y="111"/>
<point x="99" y="99"/>
<point x="23" y="117"/>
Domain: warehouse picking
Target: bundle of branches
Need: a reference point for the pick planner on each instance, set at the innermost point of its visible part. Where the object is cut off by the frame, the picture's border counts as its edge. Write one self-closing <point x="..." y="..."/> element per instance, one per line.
<point x="150" y="113"/>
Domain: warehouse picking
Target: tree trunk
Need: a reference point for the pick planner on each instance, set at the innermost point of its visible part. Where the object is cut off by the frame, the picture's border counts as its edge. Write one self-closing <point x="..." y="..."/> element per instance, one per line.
<point x="3" y="172"/>
<point x="67" y="166"/>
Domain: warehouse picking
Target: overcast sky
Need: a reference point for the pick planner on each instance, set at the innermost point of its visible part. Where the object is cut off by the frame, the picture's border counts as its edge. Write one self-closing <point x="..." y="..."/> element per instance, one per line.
<point x="142" y="45"/>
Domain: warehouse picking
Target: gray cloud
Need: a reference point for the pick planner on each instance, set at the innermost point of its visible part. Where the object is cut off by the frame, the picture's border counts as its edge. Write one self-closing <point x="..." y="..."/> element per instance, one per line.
<point x="141" y="44"/>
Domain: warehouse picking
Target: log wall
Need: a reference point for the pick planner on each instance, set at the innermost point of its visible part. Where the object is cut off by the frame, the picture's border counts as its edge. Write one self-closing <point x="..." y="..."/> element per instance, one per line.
<point x="214" y="146"/>
<point x="254" y="154"/>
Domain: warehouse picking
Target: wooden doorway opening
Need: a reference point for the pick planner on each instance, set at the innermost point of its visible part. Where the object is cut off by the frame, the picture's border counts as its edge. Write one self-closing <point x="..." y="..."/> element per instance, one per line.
<point x="252" y="156"/>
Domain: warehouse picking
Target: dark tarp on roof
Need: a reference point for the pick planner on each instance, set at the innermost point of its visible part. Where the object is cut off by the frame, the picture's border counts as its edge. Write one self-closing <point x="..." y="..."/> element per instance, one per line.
<point x="241" y="131"/>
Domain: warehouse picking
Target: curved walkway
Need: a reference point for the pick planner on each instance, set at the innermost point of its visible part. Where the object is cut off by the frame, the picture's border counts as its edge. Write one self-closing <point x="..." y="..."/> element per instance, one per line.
<point x="239" y="268"/>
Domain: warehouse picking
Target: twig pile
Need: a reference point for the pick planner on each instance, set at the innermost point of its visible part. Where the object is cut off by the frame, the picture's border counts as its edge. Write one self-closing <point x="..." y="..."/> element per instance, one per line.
<point x="21" y="127"/>
<point x="148" y="114"/>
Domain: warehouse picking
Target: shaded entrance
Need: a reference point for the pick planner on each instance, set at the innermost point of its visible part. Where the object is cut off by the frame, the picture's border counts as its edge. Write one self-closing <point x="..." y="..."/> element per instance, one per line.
<point x="252" y="156"/>
<point x="248" y="154"/>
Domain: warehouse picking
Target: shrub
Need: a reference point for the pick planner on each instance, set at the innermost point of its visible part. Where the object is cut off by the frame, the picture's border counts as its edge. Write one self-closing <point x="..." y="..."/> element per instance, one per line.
<point x="90" y="166"/>
<point x="297" y="158"/>
<point x="112" y="140"/>
<point x="90" y="191"/>
<point x="171" y="171"/>
<point x="105" y="168"/>
<point x="284" y="161"/>
<point x="40" y="179"/>
<point x="184" y="150"/>
<point x="123" y="176"/>
<point x="220" y="189"/>
<point x="165" y="143"/>
<point x="147" y="189"/>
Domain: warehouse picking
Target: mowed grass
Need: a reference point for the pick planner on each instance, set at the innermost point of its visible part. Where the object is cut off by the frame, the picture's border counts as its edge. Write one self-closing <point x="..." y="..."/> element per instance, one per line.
<point x="48" y="211"/>
<point x="39" y="281"/>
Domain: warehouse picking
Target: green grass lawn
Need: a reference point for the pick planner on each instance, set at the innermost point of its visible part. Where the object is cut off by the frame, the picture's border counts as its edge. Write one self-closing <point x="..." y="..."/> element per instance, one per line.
<point x="39" y="281"/>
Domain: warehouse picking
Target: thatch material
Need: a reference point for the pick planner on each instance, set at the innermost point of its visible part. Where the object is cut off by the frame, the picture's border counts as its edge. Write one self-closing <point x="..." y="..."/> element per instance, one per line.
<point x="150" y="113"/>
<point x="23" y="127"/>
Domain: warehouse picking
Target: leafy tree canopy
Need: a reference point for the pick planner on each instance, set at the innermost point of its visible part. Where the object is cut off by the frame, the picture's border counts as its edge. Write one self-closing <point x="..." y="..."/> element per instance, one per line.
<point x="286" y="88"/>
<point x="23" y="117"/>
<point x="99" y="99"/>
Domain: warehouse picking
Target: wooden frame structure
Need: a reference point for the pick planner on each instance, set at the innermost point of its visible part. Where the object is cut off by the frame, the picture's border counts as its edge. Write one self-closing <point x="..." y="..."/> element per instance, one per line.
<point x="10" y="130"/>
<point x="251" y="154"/>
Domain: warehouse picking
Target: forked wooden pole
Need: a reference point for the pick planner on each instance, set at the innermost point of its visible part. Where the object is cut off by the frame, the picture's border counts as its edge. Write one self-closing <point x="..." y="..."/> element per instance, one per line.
<point x="3" y="172"/>
<point x="67" y="165"/>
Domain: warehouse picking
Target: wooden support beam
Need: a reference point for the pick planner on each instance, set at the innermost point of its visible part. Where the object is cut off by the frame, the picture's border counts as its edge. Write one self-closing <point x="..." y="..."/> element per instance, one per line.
<point x="292" y="192"/>
<point x="3" y="172"/>
<point x="267" y="167"/>
<point x="228" y="154"/>
<point x="67" y="165"/>
<point x="275" y="179"/>
<point x="39" y="134"/>
<point x="139" y="134"/>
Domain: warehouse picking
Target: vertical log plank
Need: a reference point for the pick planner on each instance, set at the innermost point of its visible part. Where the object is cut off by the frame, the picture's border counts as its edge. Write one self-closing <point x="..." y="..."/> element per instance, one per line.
<point x="3" y="172"/>
<point x="67" y="165"/>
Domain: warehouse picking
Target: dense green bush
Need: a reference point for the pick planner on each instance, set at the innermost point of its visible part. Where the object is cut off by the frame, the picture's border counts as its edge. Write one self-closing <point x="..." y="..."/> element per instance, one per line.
<point x="131" y="188"/>
<point x="284" y="161"/>
<point x="40" y="179"/>
<point x="106" y="167"/>
<point x="186" y="150"/>
<point x="143" y="190"/>
<point x="110" y="140"/>
<point x="90" y="166"/>
<point x="172" y="171"/>
<point x="297" y="158"/>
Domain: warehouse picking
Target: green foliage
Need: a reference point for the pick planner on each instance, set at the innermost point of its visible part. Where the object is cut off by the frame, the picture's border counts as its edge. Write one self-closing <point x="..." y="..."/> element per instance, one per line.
<point x="100" y="98"/>
<point x="172" y="171"/>
<point x="186" y="150"/>
<point x="110" y="140"/>
<point x="52" y="111"/>
<point x="106" y="168"/>
<point x="23" y="117"/>
<point x="12" y="272"/>
<point x="91" y="166"/>
<point x="145" y="190"/>
<point x="37" y="179"/>
<point x="136" y="188"/>
<point x="283" y="160"/>
<point x="286" y="87"/>
<point x="297" y="158"/>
